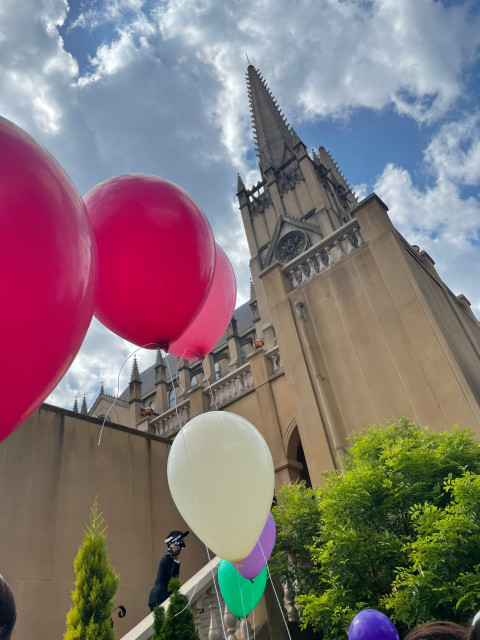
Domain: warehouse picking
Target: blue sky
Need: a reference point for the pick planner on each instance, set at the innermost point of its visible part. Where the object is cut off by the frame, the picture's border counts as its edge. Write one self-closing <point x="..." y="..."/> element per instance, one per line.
<point x="391" y="88"/>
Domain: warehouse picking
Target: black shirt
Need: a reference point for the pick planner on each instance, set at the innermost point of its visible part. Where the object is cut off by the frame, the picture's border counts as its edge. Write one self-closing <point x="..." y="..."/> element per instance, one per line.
<point x="168" y="568"/>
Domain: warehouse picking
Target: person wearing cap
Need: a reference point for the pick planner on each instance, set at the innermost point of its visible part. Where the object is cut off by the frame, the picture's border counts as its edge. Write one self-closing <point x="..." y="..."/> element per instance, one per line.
<point x="169" y="567"/>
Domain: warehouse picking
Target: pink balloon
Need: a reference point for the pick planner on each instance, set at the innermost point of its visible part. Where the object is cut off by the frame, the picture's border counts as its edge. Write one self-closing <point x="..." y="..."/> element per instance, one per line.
<point x="212" y="320"/>
<point x="48" y="267"/>
<point x="156" y="256"/>
<point x="251" y="566"/>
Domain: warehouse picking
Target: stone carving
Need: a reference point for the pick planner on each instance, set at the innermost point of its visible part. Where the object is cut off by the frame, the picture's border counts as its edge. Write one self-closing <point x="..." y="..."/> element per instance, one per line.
<point x="169" y="424"/>
<point x="258" y="204"/>
<point x="325" y="257"/>
<point x="215" y="629"/>
<point x="291" y="246"/>
<point x="276" y="361"/>
<point x="230" y="622"/>
<point x="228" y="389"/>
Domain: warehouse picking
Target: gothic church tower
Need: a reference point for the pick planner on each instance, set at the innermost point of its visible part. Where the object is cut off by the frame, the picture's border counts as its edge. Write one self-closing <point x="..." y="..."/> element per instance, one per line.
<point x="300" y="199"/>
<point x="365" y="328"/>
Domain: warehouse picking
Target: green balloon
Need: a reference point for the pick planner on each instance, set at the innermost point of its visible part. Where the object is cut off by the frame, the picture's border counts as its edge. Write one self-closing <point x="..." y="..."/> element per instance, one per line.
<point x="240" y="594"/>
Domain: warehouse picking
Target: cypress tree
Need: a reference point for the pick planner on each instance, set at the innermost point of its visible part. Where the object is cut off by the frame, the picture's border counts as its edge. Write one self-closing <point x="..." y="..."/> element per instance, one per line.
<point x="158" y="620"/>
<point x="175" y="625"/>
<point x="95" y="587"/>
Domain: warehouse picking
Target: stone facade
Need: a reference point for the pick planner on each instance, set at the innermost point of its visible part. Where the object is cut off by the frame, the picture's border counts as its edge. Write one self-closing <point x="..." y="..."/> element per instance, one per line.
<point x="355" y="325"/>
<point x="347" y="325"/>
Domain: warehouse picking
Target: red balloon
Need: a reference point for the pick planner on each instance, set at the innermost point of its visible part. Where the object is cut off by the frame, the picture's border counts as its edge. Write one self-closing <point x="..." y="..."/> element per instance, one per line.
<point x="156" y="256"/>
<point x="212" y="320"/>
<point x="48" y="267"/>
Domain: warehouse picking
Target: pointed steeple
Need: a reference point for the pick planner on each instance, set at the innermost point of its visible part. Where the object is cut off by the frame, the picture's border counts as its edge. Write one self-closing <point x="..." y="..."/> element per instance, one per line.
<point x="75" y="405"/>
<point x="102" y="390"/>
<point x="135" y="377"/>
<point x="84" y="409"/>
<point x="159" y="358"/>
<point x="240" y="184"/>
<point x="273" y="136"/>
<point x="327" y="160"/>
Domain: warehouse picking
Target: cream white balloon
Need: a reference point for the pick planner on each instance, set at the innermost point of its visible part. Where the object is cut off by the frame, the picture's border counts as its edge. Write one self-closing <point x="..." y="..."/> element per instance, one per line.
<point x="221" y="477"/>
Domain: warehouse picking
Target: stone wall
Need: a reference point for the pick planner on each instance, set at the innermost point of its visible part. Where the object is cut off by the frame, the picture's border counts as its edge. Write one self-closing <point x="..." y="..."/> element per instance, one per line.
<point x="51" y="470"/>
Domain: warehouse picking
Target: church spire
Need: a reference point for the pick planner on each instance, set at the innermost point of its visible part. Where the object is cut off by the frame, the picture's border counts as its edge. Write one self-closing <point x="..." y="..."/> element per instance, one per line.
<point x="274" y="138"/>
<point x="84" y="409"/>
<point x="135" y="376"/>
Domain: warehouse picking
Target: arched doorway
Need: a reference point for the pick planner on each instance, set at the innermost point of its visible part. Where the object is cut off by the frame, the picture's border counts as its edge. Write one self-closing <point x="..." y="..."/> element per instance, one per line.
<point x="304" y="475"/>
<point x="295" y="452"/>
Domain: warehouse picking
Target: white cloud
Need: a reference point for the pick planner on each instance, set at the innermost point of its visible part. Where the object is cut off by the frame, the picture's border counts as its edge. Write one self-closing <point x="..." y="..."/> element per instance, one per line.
<point x="454" y="153"/>
<point x="104" y="357"/>
<point x="165" y="94"/>
<point x="112" y="58"/>
<point x="107" y="11"/>
<point x="333" y="56"/>
<point x="35" y="67"/>
<point x="439" y="218"/>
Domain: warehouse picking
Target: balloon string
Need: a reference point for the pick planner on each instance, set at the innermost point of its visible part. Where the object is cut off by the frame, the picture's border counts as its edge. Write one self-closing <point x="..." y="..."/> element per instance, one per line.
<point x="188" y="603"/>
<point x="216" y="592"/>
<point x="274" y="591"/>
<point x="243" y="603"/>
<point x="176" y="373"/>
<point x="149" y="344"/>
<point x="181" y="431"/>
<point x="172" y="378"/>
<point x="214" y="403"/>
<point x="253" y="622"/>
<point x="209" y="386"/>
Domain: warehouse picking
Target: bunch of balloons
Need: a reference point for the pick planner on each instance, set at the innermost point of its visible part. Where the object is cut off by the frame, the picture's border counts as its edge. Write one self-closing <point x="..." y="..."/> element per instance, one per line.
<point x="162" y="280"/>
<point x="221" y="477"/>
<point x="137" y="251"/>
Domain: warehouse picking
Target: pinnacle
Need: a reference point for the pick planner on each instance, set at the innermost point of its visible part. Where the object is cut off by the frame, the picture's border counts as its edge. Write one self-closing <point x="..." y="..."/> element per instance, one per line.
<point x="135" y="377"/>
<point x="84" y="409"/>
<point x="102" y="390"/>
<point x="294" y="135"/>
<point x="240" y="184"/>
<point x="75" y="405"/>
<point x="159" y="358"/>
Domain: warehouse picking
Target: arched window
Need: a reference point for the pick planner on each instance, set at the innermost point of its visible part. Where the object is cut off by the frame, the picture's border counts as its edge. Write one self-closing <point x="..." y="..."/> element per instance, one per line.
<point x="193" y="381"/>
<point x="218" y="371"/>
<point x="171" y="398"/>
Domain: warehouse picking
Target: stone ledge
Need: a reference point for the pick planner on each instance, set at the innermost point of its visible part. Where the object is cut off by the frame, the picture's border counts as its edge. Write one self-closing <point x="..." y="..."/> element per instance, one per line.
<point x="93" y="420"/>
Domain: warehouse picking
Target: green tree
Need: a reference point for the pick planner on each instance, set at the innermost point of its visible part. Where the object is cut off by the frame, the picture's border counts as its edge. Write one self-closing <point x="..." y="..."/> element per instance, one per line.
<point x="360" y="540"/>
<point x="443" y="570"/>
<point x="158" y="621"/>
<point x="95" y="587"/>
<point x="179" y="623"/>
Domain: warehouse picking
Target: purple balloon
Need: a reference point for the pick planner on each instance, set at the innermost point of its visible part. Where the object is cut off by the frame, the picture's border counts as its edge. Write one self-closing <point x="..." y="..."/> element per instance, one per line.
<point x="251" y="566"/>
<point x="371" y="624"/>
